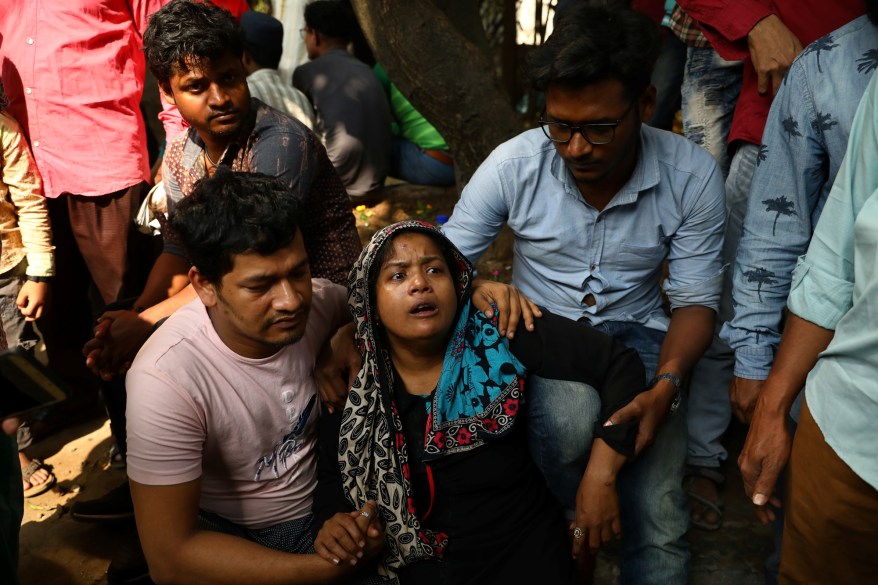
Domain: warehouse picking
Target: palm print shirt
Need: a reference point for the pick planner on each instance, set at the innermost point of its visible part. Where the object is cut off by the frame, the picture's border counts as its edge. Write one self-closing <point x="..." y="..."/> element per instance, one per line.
<point x="803" y="146"/>
<point x="835" y="286"/>
<point x="280" y="146"/>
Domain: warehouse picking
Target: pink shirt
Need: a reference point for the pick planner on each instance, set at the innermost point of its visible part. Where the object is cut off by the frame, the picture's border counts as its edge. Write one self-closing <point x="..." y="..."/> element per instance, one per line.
<point x="198" y="409"/>
<point x="74" y="72"/>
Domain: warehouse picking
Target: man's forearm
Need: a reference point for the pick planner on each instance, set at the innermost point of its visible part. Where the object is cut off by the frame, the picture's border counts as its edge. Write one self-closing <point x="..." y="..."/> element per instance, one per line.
<point x="689" y="335"/>
<point x="799" y="349"/>
<point x="167" y="307"/>
<point x="169" y="275"/>
<point x="177" y="551"/>
<point x="214" y="558"/>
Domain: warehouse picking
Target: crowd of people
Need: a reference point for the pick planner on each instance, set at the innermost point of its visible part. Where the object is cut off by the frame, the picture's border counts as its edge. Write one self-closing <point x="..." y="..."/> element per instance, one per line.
<point x="293" y="407"/>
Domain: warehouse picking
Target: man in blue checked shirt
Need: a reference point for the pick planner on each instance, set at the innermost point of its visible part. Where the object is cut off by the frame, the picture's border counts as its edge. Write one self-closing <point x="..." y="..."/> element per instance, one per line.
<point x="598" y="202"/>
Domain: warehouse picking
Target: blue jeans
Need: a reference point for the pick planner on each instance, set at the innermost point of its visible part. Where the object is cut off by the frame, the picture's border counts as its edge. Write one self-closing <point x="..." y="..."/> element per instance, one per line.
<point x="709" y="94"/>
<point x="561" y="417"/>
<point x="710" y="409"/>
<point x="19" y="332"/>
<point x="412" y="164"/>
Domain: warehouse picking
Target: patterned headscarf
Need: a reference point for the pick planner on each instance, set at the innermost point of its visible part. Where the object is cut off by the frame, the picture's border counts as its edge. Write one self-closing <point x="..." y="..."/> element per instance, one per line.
<point x="477" y="398"/>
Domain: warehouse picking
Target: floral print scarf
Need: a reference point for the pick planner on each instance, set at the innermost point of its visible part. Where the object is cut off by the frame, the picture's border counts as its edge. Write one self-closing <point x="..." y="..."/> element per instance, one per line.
<point x="477" y="399"/>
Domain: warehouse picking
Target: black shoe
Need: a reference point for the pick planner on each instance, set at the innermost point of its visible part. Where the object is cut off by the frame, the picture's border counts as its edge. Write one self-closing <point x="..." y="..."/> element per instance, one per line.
<point x="114" y="506"/>
<point x="128" y="566"/>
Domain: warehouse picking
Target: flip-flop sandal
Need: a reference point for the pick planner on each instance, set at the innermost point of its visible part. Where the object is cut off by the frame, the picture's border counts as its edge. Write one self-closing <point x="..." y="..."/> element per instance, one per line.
<point x="41" y="488"/>
<point x="715" y="506"/>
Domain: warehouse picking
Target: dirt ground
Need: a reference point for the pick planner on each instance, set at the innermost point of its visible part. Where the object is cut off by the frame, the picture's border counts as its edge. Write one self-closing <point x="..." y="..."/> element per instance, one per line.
<point x="56" y="550"/>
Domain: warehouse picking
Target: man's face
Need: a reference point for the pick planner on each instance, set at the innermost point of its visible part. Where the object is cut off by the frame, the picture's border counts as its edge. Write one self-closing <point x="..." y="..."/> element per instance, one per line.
<point x="262" y="304"/>
<point x="212" y="95"/>
<point x="594" y="166"/>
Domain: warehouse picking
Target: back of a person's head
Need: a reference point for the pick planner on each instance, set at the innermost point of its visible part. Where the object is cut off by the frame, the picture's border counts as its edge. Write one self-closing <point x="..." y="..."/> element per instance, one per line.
<point x="593" y="44"/>
<point x="331" y="18"/>
<point x="184" y="32"/>
<point x="263" y="38"/>
<point x="234" y="213"/>
<point x="872" y="11"/>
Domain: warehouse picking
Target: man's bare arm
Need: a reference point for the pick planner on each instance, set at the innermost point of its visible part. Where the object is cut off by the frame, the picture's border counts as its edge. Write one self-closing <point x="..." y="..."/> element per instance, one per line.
<point x="767" y="447"/>
<point x="178" y="552"/>
<point x="688" y="337"/>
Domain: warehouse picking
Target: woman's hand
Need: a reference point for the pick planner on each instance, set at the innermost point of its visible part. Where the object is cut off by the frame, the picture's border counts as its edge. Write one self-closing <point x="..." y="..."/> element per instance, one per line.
<point x="597" y="519"/>
<point x="597" y="514"/>
<point x="348" y="538"/>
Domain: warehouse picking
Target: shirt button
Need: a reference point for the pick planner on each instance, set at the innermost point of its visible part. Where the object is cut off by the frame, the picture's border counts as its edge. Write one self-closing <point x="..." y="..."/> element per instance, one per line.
<point x="27" y="90"/>
<point x="287" y="396"/>
<point x="593" y="266"/>
<point x="36" y="142"/>
<point x="30" y="41"/>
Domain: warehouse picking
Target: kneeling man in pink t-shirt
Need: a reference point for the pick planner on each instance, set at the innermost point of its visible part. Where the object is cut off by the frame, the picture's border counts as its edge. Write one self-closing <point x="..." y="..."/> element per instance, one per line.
<point x="222" y="404"/>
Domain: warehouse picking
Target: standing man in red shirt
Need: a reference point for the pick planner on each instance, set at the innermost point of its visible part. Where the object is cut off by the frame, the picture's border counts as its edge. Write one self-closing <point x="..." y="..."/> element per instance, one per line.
<point x="74" y="72"/>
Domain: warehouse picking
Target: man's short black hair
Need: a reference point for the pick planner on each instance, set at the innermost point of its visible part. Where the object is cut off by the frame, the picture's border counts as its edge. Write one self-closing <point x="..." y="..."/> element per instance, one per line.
<point x="234" y="213"/>
<point x="872" y="11"/>
<point x="331" y="18"/>
<point x="592" y="44"/>
<point x="186" y="30"/>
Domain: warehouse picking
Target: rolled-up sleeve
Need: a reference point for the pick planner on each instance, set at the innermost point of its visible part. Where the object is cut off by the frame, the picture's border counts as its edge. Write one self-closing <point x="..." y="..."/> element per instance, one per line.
<point x="695" y="268"/>
<point x="823" y="281"/>
<point x="480" y="213"/>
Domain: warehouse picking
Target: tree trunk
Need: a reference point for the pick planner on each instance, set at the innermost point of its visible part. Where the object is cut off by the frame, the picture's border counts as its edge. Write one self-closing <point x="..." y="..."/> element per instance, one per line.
<point x="444" y="74"/>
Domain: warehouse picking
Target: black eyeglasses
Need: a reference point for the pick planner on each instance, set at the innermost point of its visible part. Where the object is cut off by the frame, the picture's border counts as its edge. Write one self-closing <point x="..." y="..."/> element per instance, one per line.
<point x="595" y="134"/>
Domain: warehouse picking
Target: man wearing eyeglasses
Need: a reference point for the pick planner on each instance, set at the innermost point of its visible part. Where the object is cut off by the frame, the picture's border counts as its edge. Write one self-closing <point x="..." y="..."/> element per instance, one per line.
<point x="598" y="202"/>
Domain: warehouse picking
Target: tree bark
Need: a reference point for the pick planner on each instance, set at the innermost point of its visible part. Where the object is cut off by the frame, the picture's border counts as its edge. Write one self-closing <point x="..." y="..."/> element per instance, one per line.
<point x="444" y="74"/>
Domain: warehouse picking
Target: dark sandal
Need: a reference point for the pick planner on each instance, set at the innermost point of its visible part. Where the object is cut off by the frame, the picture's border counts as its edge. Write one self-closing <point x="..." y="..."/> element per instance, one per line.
<point x="715" y="506"/>
<point x="41" y="488"/>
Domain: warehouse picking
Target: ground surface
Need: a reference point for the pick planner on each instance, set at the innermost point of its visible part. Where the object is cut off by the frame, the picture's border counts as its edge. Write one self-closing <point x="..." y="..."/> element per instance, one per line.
<point x="56" y="550"/>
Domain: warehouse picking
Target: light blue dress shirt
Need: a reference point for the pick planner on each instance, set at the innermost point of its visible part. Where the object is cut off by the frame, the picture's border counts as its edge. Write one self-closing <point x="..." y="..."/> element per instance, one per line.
<point x="803" y="145"/>
<point x="835" y="286"/>
<point x="671" y="208"/>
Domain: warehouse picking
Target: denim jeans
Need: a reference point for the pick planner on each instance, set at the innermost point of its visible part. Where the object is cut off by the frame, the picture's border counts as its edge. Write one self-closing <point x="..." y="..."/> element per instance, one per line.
<point x="561" y="417"/>
<point x="19" y="332"/>
<point x="411" y="163"/>
<point x="710" y="409"/>
<point x="709" y="93"/>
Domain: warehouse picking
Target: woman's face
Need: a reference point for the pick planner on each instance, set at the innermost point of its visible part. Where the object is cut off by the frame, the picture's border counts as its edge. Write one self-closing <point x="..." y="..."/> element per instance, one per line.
<point x="415" y="294"/>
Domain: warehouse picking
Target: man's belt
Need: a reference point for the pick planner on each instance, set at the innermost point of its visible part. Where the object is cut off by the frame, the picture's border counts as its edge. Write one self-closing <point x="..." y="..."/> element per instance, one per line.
<point x="441" y="155"/>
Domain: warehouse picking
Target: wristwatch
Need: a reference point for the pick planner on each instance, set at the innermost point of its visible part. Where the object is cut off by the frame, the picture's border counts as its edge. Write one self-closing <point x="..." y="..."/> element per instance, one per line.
<point x="678" y="384"/>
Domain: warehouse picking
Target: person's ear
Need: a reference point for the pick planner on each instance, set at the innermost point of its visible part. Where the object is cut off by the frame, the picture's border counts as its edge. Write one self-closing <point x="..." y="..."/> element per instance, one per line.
<point x="167" y="92"/>
<point x="205" y="289"/>
<point x="647" y="103"/>
<point x="248" y="62"/>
